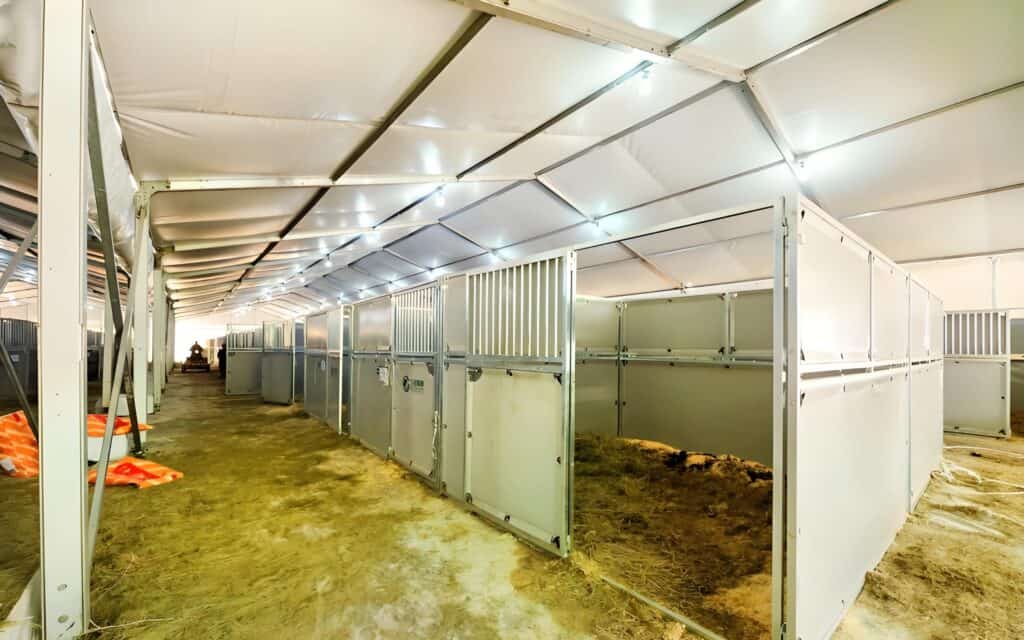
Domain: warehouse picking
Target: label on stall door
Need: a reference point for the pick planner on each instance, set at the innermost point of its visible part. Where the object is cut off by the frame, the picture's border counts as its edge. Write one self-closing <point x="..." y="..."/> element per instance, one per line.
<point x="412" y="385"/>
<point x="382" y="375"/>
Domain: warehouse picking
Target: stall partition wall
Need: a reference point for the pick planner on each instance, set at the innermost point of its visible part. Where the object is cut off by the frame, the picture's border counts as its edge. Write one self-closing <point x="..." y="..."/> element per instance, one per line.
<point x="862" y="351"/>
<point x="978" y="373"/>
<point x="1016" y="365"/>
<point x="453" y="387"/>
<point x="693" y="372"/>
<point x="519" y="398"/>
<point x="299" y="362"/>
<point x="277" y="375"/>
<point x="20" y="338"/>
<point x="323" y="378"/>
<point x="372" y="374"/>
<point x="245" y="360"/>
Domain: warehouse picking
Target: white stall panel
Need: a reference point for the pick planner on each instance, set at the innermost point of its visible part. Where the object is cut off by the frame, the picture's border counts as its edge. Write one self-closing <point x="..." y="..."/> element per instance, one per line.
<point x="925" y="426"/>
<point x="700" y="408"/>
<point x="454" y="296"/>
<point x="834" y="279"/>
<point x="693" y="326"/>
<point x="597" y="326"/>
<point x="516" y="453"/>
<point x="889" y="321"/>
<point x="752" y="324"/>
<point x="412" y="422"/>
<point x="453" y="431"/>
<point x="372" y="322"/>
<point x="1009" y="276"/>
<point x="850" y="487"/>
<point x="976" y="396"/>
<point x="597" y="393"/>
<point x="920" y="339"/>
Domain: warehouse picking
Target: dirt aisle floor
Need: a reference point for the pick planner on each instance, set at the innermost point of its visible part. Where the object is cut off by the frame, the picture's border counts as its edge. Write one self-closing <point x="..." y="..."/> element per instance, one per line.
<point x="282" y="529"/>
<point x="692" y="532"/>
<point x="956" y="569"/>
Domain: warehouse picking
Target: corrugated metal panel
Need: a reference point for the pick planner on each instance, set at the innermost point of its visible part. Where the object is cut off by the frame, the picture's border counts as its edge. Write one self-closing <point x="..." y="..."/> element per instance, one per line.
<point x="416" y="320"/>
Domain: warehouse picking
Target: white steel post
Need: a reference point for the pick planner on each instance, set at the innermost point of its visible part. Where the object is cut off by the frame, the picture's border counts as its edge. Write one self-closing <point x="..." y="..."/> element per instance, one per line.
<point x="108" y="349"/>
<point x="171" y="328"/>
<point x="140" y="298"/>
<point x="159" y="334"/>
<point x="62" y="293"/>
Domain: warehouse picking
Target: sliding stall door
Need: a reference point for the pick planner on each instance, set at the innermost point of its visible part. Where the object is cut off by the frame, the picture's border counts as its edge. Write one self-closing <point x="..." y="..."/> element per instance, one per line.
<point x="245" y="360"/>
<point x="372" y="374"/>
<point x="519" y="398"/>
<point x="277" y="377"/>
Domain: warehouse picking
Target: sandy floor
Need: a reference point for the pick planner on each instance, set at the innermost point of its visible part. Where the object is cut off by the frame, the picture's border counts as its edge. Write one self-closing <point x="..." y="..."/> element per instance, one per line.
<point x="956" y="569"/>
<point x="692" y="532"/>
<point x="282" y="529"/>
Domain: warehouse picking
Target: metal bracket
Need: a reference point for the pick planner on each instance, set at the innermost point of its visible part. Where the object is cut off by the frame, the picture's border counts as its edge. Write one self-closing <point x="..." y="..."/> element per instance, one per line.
<point x="474" y="373"/>
<point x="430" y="368"/>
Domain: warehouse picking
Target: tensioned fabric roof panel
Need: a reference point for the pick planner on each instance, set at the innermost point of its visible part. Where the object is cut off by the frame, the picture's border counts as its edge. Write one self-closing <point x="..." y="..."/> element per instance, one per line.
<point x="218" y="229"/>
<point x="564" y="238"/>
<point x="602" y="254"/>
<point x="715" y="231"/>
<point x="975" y="147"/>
<point x="237" y="205"/>
<point x="433" y="247"/>
<point x="765" y="185"/>
<point x="180" y="144"/>
<point x="213" y="256"/>
<point x="641" y="96"/>
<point x="453" y="197"/>
<point x="361" y="206"/>
<point x="673" y="18"/>
<point x="884" y="69"/>
<point x="515" y="215"/>
<point x="982" y="224"/>
<point x="352" y="280"/>
<point x="770" y="27"/>
<point x="679" y="151"/>
<point x="292" y="60"/>
<point x="386" y="267"/>
<point x="476" y="106"/>
<point x="621" y="278"/>
<point x="738" y="260"/>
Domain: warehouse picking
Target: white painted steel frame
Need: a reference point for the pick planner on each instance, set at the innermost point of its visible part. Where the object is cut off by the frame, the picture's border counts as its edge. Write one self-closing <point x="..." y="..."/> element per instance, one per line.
<point x="141" y="338"/>
<point x="62" y="293"/>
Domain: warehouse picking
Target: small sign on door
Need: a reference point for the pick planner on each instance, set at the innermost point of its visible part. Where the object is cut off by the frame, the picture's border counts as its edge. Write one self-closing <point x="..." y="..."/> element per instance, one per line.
<point x="412" y="385"/>
<point x="382" y="375"/>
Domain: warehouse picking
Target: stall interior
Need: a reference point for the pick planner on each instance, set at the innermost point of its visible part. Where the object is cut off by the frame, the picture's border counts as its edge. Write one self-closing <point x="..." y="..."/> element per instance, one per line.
<point x="674" y="420"/>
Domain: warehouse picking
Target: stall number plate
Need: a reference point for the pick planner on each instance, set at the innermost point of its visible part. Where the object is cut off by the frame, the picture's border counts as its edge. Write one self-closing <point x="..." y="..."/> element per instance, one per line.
<point x="412" y="384"/>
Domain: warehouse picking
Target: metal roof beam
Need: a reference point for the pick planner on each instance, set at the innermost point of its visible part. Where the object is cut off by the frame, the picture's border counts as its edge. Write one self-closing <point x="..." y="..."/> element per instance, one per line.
<point x="622" y="37"/>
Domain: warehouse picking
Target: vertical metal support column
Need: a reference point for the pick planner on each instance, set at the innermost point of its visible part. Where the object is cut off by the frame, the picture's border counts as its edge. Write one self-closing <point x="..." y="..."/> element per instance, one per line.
<point x="159" y="333"/>
<point x="140" y="299"/>
<point x="62" y="292"/>
<point x="109" y="339"/>
<point x="171" y="328"/>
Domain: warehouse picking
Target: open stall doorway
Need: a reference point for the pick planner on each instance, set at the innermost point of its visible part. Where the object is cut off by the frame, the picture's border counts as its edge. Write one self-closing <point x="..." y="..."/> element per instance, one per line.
<point x="673" y="409"/>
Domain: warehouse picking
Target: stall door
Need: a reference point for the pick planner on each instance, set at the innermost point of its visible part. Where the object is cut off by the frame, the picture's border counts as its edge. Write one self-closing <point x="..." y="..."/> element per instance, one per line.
<point x="413" y="419"/>
<point x="277" y="377"/>
<point x="371" y="411"/>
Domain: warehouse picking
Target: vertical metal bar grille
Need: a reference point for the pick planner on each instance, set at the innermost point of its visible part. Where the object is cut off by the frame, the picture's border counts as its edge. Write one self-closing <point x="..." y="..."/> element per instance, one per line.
<point x="514" y="311"/>
<point x="415" y="326"/>
<point x="976" y="333"/>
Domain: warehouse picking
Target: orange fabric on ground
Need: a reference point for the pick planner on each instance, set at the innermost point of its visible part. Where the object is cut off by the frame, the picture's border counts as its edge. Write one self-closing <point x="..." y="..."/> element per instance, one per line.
<point x="19" y="445"/>
<point x="141" y="473"/>
<point x="96" y="423"/>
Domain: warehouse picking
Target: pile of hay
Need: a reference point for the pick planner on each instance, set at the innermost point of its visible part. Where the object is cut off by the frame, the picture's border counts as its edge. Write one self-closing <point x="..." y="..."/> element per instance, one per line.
<point x="690" y="530"/>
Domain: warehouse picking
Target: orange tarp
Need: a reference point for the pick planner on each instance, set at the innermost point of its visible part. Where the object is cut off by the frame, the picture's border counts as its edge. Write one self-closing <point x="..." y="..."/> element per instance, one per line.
<point x="18" y="445"/>
<point x="141" y="473"/>
<point x="97" y="423"/>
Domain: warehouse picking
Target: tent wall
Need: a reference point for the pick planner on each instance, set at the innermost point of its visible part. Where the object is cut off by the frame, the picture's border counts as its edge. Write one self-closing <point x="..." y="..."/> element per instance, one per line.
<point x="975" y="283"/>
<point x="245" y="360"/>
<point x="277" y="372"/>
<point x="519" y="398"/>
<point x="977" y="378"/>
<point x="850" y="466"/>
<point x="372" y="374"/>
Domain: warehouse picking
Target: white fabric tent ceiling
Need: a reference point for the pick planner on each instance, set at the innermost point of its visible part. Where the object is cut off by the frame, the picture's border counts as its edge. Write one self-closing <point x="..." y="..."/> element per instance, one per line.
<point x="323" y="148"/>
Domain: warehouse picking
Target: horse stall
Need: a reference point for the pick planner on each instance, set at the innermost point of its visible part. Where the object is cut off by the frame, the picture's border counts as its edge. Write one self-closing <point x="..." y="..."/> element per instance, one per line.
<point x="323" y="378"/>
<point x="244" y="360"/>
<point x="977" y="377"/>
